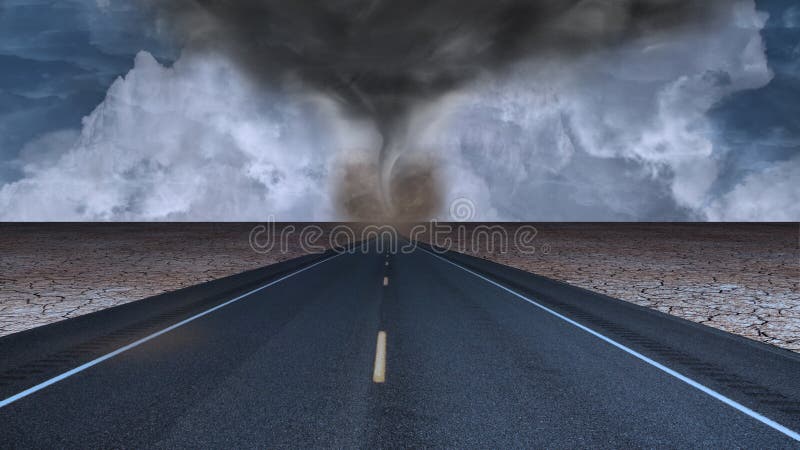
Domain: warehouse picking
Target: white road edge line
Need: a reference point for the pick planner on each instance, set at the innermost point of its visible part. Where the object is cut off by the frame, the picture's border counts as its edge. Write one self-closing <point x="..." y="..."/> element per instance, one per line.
<point x="732" y="403"/>
<point x="116" y="352"/>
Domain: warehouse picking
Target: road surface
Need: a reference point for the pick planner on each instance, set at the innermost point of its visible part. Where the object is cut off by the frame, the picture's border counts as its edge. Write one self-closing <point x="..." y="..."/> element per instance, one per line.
<point x="476" y="355"/>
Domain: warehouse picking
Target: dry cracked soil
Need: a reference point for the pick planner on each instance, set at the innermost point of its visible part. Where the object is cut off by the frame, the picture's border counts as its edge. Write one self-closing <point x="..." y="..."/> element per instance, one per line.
<point x="742" y="278"/>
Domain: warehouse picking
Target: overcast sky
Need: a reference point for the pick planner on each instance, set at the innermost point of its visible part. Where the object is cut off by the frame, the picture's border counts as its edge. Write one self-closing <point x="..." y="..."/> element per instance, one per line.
<point x="104" y="116"/>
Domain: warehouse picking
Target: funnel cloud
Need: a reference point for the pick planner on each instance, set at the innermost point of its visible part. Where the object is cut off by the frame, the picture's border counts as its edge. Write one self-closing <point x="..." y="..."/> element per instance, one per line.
<point x="382" y="60"/>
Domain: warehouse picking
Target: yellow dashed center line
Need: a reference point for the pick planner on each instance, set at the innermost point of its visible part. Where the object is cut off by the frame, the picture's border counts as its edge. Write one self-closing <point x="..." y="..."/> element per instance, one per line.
<point x="385" y="281"/>
<point x="379" y="373"/>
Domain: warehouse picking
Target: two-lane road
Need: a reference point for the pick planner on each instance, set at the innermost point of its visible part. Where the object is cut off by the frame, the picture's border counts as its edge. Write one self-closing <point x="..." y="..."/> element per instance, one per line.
<point x="477" y="355"/>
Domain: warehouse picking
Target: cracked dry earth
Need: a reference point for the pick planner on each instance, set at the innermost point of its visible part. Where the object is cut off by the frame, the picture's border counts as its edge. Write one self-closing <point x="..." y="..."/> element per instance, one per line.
<point x="51" y="272"/>
<point x="741" y="278"/>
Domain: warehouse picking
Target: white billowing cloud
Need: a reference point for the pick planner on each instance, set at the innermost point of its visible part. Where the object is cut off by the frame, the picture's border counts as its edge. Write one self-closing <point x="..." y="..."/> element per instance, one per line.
<point x="773" y="193"/>
<point x="193" y="142"/>
<point x="622" y="134"/>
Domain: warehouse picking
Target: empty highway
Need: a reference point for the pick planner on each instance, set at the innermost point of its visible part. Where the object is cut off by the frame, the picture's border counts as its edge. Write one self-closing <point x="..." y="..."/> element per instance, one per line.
<point x="381" y="349"/>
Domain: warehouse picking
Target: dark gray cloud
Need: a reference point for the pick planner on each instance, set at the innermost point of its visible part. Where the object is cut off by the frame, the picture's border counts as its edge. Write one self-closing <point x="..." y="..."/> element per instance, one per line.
<point x="380" y="54"/>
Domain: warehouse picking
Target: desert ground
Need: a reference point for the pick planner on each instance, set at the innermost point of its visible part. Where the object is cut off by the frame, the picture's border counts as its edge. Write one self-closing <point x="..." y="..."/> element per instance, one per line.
<point x="741" y="278"/>
<point x="737" y="277"/>
<point x="51" y="272"/>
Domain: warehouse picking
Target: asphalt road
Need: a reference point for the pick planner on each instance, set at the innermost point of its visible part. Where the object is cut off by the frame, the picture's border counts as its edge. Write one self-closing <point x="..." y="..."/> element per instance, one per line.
<point x="477" y="355"/>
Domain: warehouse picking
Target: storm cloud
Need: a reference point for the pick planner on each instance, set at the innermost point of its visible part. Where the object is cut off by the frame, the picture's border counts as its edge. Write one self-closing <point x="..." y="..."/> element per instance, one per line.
<point x="384" y="60"/>
<point x="684" y="112"/>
